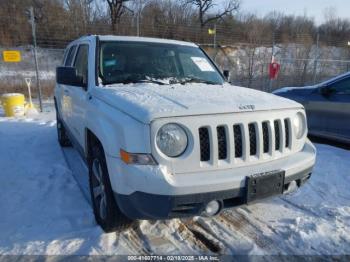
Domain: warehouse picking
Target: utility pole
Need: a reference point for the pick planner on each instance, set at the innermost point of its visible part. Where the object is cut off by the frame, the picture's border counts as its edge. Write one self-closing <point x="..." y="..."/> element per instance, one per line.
<point x="316" y="56"/>
<point x="272" y="56"/>
<point x="215" y="44"/>
<point x="138" y="23"/>
<point x="347" y="64"/>
<point x="215" y="36"/>
<point x="32" y="21"/>
<point x="139" y="10"/>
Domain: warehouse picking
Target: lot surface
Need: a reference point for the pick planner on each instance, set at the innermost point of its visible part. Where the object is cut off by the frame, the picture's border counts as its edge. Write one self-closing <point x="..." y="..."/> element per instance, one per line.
<point x="45" y="207"/>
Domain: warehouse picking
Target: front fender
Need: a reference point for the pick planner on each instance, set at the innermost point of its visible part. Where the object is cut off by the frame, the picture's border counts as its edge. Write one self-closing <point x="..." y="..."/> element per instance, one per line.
<point x="117" y="130"/>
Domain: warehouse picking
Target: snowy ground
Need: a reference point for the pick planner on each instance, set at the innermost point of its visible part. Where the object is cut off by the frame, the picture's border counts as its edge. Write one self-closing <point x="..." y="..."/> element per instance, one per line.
<point x="45" y="208"/>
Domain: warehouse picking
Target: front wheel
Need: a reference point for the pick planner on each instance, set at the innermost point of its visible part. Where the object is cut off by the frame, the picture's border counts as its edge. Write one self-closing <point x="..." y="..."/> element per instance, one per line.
<point x="106" y="210"/>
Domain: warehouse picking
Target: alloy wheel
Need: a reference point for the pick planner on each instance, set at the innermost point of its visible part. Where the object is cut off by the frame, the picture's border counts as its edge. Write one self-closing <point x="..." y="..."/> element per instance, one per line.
<point x="98" y="188"/>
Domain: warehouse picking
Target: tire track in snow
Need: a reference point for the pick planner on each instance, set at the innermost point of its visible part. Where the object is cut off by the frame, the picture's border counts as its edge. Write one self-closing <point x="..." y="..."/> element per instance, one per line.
<point x="207" y="238"/>
<point x="190" y="238"/>
<point x="135" y="241"/>
<point x="236" y="220"/>
<point x="184" y="237"/>
<point x="230" y="240"/>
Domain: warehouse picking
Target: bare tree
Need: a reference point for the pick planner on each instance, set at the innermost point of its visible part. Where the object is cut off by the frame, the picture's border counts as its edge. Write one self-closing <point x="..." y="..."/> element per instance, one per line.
<point x="167" y="19"/>
<point x="116" y="9"/>
<point x="79" y="12"/>
<point x="253" y="54"/>
<point x="205" y="7"/>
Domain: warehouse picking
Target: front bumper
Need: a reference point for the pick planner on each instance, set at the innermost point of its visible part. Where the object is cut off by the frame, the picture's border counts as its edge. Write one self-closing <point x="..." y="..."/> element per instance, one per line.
<point x="162" y="198"/>
<point x="141" y="205"/>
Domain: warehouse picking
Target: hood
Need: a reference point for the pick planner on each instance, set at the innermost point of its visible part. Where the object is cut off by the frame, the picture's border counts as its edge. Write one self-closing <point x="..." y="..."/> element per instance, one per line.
<point x="305" y="90"/>
<point x="146" y="102"/>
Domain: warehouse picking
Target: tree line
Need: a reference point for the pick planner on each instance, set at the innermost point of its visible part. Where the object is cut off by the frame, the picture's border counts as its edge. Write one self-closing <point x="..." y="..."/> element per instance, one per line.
<point x="60" y="21"/>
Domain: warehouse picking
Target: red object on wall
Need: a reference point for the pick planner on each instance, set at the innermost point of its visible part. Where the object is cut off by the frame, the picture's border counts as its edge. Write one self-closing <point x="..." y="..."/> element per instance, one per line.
<point x="274" y="68"/>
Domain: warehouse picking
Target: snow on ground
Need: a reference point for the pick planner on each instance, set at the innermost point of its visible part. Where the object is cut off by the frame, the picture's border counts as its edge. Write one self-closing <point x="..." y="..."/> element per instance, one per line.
<point x="45" y="207"/>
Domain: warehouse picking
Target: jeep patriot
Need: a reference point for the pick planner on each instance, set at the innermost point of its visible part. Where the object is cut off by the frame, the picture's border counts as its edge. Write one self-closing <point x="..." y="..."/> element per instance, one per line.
<point x="164" y="135"/>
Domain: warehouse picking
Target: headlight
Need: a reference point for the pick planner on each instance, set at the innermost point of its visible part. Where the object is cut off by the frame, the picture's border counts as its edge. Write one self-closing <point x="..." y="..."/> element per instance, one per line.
<point x="299" y="125"/>
<point x="172" y="140"/>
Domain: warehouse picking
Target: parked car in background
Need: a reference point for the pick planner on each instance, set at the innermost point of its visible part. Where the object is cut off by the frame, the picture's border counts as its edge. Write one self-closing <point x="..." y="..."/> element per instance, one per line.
<point x="327" y="107"/>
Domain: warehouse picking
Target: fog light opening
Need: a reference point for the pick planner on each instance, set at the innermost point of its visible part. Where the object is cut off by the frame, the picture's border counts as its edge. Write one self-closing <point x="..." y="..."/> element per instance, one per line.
<point x="303" y="180"/>
<point x="292" y="187"/>
<point x="212" y="208"/>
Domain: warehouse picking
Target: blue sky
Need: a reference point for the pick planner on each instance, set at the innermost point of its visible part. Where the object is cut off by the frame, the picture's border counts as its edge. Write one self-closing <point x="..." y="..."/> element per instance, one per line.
<point x="313" y="8"/>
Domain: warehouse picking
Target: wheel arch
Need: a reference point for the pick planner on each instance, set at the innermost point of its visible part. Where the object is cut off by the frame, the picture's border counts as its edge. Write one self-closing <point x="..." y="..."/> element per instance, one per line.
<point x="91" y="139"/>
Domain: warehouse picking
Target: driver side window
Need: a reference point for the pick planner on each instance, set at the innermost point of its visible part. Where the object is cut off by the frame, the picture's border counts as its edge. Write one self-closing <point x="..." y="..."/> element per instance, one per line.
<point x="81" y="63"/>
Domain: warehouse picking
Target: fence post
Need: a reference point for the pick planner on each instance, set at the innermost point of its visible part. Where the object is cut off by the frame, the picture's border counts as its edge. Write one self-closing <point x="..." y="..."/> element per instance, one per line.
<point x="32" y="21"/>
<point x="272" y="56"/>
<point x="214" y="37"/>
<point x="316" y="57"/>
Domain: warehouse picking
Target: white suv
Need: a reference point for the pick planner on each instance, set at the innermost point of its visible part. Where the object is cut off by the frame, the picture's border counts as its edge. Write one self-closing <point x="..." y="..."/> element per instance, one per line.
<point x="164" y="135"/>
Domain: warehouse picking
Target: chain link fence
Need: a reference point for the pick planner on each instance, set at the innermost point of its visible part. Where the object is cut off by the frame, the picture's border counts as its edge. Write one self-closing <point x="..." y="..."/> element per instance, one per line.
<point x="302" y="63"/>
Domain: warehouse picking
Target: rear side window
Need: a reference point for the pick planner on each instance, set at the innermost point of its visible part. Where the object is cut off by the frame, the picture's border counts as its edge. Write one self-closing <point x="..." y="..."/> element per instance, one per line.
<point x="81" y="62"/>
<point x="70" y="56"/>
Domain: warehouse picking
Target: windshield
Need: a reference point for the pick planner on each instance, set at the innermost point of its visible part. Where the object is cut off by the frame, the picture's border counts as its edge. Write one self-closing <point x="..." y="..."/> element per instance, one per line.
<point x="133" y="62"/>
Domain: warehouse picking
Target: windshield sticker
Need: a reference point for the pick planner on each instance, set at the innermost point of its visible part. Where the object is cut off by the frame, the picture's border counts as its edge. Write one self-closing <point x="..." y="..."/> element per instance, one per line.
<point x="202" y="64"/>
<point x="112" y="62"/>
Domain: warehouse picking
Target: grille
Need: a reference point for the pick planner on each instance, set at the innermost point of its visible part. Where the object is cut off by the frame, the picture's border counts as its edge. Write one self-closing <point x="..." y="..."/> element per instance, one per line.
<point x="286" y="130"/>
<point x="265" y="131"/>
<point x="204" y="143"/>
<point x="277" y="135"/>
<point x="238" y="141"/>
<point x="245" y="136"/>
<point x="252" y="139"/>
<point x="221" y="132"/>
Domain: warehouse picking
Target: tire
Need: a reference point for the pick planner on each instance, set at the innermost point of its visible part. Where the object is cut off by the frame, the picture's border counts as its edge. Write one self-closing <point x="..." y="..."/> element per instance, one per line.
<point x="62" y="136"/>
<point x="106" y="210"/>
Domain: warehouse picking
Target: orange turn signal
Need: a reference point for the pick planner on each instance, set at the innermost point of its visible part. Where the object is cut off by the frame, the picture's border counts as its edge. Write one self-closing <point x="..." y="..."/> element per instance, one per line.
<point x="125" y="156"/>
<point x="137" y="159"/>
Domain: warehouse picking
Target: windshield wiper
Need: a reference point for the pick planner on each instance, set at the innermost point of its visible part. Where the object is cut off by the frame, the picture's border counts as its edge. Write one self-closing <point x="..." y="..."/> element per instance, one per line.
<point x="134" y="81"/>
<point x="196" y="80"/>
<point x="142" y="79"/>
<point x="149" y="81"/>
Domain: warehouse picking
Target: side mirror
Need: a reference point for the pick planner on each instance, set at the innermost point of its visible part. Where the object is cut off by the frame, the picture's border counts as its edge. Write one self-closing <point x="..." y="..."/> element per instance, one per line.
<point x="68" y="76"/>
<point x="326" y="90"/>
<point x="226" y="74"/>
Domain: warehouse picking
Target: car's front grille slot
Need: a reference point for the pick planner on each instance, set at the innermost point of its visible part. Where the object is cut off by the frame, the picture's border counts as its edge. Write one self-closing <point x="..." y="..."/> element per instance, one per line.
<point x="252" y="139"/>
<point x="204" y="143"/>
<point x="265" y="133"/>
<point x="244" y="142"/>
<point x="222" y="143"/>
<point x="286" y="128"/>
<point x="237" y="132"/>
<point x="277" y="135"/>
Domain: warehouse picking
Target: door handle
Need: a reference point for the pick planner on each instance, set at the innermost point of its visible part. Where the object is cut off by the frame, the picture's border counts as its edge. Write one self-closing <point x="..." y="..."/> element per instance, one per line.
<point x="66" y="91"/>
